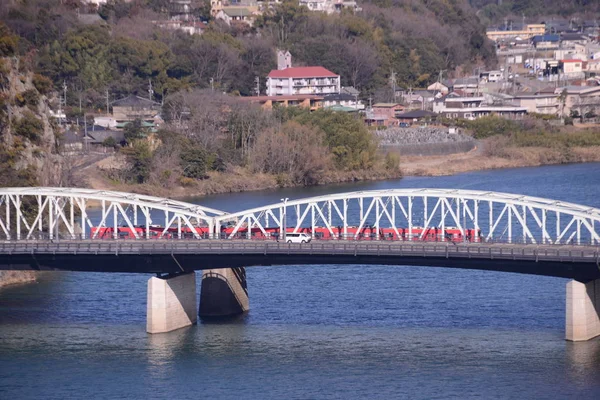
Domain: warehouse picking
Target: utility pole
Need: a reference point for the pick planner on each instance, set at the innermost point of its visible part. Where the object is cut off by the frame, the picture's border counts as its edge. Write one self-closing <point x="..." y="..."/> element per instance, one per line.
<point x="212" y="84"/>
<point x="85" y="136"/>
<point x="257" y="81"/>
<point x="150" y="90"/>
<point x="64" y="99"/>
<point x="106" y="101"/>
<point x="65" y="92"/>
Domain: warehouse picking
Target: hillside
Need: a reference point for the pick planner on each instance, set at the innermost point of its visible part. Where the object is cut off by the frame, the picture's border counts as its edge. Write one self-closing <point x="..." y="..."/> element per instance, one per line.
<point x="495" y="10"/>
<point x="415" y="39"/>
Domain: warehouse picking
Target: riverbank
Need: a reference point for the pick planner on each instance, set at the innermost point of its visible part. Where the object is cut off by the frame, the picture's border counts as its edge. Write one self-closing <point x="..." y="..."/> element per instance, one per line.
<point x="485" y="157"/>
<point x="16" y="277"/>
<point x="234" y="181"/>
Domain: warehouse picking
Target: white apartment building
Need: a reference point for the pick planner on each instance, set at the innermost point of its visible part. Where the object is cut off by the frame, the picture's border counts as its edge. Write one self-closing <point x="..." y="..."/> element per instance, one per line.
<point x="302" y="81"/>
<point x="330" y="6"/>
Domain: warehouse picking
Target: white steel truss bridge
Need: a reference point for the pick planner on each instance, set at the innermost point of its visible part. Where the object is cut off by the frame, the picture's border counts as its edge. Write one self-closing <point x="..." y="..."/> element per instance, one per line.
<point x="424" y="215"/>
<point x="106" y="231"/>
<point x="411" y="215"/>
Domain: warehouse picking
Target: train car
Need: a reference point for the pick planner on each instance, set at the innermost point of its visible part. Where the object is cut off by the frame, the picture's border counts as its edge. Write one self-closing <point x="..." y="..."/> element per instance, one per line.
<point x="433" y="234"/>
<point x="416" y="234"/>
<point x="125" y="232"/>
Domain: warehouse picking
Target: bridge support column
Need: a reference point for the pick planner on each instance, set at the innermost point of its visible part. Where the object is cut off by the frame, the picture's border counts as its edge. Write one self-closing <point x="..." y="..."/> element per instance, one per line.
<point x="583" y="310"/>
<point x="171" y="303"/>
<point x="224" y="292"/>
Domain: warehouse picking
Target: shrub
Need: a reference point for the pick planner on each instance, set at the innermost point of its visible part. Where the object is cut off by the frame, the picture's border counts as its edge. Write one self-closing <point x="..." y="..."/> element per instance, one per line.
<point x="492" y="125"/>
<point x="109" y="142"/>
<point x="29" y="126"/>
<point x="392" y="162"/>
<point x="29" y="98"/>
<point x="9" y="43"/>
<point x="194" y="161"/>
<point x="42" y="84"/>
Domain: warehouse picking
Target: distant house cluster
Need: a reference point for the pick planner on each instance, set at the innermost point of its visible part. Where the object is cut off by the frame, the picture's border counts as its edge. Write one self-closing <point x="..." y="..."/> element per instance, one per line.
<point x="97" y="130"/>
<point x="551" y="68"/>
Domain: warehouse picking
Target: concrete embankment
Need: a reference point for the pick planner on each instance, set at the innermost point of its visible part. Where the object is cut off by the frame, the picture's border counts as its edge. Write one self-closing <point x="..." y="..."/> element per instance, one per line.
<point x="425" y="141"/>
<point x="16" y="277"/>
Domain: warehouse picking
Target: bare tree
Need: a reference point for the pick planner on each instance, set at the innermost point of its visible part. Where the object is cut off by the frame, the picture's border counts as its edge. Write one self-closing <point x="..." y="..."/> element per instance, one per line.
<point x="362" y="61"/>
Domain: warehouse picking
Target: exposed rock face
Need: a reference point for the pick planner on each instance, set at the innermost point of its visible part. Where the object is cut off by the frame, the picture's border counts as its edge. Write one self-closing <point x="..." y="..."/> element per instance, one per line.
<point x="28" y="134"/>
<point x="28" y="140"/>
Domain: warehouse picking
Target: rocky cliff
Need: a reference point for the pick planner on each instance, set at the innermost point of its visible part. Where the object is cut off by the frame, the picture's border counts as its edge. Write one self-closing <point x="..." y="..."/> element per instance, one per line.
<point x="28" y="136"/>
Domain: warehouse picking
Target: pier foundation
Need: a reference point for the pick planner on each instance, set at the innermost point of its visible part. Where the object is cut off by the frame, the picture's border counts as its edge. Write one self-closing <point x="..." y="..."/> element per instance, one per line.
<point x="224" y="292"/>
<point x="583" y="310"/>
<point x="171" y="303"/>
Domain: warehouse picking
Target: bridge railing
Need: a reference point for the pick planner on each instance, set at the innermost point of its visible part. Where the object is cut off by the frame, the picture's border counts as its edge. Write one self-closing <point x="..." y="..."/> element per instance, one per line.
<point x="57" y="238"/>
<point x="224" y="247"/>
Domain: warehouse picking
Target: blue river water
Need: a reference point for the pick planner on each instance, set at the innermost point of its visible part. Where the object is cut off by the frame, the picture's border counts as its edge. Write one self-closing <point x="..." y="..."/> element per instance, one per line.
<point x="314" y="331"/>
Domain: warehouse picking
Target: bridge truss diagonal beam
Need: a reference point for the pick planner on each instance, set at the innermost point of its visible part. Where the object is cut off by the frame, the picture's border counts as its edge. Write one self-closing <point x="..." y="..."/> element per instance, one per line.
<point x="490" y="216"/>
<point x="44" y="212"/>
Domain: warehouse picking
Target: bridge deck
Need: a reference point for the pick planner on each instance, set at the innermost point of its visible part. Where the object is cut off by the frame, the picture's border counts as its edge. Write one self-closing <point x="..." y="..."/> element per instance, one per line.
<point x="172" y="256"/>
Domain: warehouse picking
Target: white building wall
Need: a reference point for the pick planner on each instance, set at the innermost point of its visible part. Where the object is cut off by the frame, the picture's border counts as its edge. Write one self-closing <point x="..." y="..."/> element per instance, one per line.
<point x="305" y="86"/>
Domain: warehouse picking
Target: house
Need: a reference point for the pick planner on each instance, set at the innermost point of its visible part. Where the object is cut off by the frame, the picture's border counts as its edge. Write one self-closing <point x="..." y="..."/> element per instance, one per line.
<point x="302" y="81"/>
<point x="571" y="66"/>
<point x="350" y="90"/>
<point x="539" y="102"/>
<point x="388" y="109"/>
<point x="491" y="76"/>
<point x="416" y="116"/>
<point x="284" y="59"/>
<point x="575" y="52"/>
<point x="189" y="27"/>
<point x="233" y="15"/>
<point x="180" y="10"/>
<point x="383" y="114"/>
<point x="372" y="119"/>
<point x="452" y="106"/>
<point x="71" y="142"/>
<point x="569" y="39"/>
<point x="527" y="31"/>
<point x="580" y="99"/>
<point x="97" y="136"/>
<point x="469" y="85"/>
<point x="330" y="6"/>
<point x="546" y="41"/>
<point x="418" y="99"/>
<point x="134" y="107"/>
<point x="75" y="141"/>
<point x="438" y="87"/>
<point x="311" y="102"/>
<point x="342" y="100"/>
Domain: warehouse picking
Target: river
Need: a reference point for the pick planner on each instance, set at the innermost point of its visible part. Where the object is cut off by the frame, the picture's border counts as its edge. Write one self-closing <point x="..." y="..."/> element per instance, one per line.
<point x="314" y="331"/>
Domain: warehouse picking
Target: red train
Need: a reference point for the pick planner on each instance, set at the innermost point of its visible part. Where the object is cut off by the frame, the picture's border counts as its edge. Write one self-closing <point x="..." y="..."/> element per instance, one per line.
<point x="433" y="234"/>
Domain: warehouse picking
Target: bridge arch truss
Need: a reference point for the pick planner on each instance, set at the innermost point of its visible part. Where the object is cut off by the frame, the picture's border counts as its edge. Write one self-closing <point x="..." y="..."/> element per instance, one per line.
<point x="494" y="216"/>
<point x="33" y="212"/>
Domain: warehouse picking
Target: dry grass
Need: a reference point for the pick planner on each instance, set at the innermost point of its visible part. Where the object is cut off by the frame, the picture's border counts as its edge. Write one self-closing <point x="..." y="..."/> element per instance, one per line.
<point x="494" y="156"/>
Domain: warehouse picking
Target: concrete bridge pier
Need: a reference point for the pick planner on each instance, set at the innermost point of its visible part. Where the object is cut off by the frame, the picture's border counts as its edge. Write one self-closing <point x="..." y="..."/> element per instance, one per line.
<point x="583" y="310"/>
<point x="223" y="293"/>
<point x="171" y="303"/>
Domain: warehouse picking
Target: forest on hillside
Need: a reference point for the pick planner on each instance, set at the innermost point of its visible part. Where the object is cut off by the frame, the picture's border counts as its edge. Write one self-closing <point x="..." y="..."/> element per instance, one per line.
<point x="493" y="11"/>
<point x="415" y="39"/>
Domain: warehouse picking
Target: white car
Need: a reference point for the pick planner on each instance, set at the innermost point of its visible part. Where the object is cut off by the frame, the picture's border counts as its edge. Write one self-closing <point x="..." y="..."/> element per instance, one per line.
<point x="297" y="238"/>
